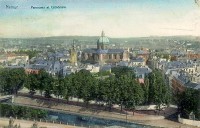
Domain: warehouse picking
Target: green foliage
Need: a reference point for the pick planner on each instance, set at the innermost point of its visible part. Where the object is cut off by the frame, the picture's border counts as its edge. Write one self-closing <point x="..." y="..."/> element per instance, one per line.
<point x="108" y="91"/>
<point x="159" y="93"/>
<point x="121" y="88"/>
<point x="11" y="80"/>
<point x="83" y="82"/>
<point x="188" y="102"/>
<point x="103" y="73"/>
<point x="7" y="110"/>
<point x="120" y="71"/>
<point x="44" y="80"/>
<point x="145" y="88"/>
<point x="32" y="83"/>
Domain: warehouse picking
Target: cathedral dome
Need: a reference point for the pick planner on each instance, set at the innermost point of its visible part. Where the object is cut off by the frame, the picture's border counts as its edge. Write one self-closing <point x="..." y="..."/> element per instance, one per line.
<point x="103" y="39"/>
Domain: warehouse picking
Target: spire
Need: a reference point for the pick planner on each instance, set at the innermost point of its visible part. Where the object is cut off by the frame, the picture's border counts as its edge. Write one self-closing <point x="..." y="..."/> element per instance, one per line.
<point x="73" y="45"/>
<point x="102" y="33"/>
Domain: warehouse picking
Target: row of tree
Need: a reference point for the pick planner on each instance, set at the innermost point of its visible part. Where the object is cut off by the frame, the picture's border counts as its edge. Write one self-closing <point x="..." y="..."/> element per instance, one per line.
<point x="121" y="88"/>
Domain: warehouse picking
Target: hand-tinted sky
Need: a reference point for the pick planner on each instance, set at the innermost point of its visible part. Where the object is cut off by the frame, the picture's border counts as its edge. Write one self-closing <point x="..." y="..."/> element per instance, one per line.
<point x="118" y="18"/>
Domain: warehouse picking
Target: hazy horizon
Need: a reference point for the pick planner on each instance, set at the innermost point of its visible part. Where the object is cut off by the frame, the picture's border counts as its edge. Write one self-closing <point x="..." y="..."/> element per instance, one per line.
<point x="119" y="18"/>
<point x="156" y="36"/>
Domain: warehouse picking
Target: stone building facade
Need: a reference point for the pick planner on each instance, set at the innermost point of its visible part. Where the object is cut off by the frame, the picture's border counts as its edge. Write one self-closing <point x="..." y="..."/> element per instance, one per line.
<point x="103" y="54"/>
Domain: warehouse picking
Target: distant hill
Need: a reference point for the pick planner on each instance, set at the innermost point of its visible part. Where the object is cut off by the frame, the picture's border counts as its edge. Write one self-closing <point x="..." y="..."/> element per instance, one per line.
<point x="151" y="42"/>
<point x="183" y="37"/>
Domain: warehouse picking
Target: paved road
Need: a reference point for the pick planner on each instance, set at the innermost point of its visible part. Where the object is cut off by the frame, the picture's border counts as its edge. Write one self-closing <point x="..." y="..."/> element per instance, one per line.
<point x="145" y="119"/>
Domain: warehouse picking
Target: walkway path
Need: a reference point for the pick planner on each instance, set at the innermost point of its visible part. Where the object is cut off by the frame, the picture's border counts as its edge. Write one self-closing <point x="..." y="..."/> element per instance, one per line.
<point x="138" y="118"/>
<point x="6" y="97"/>
<point x="28" y="124"/>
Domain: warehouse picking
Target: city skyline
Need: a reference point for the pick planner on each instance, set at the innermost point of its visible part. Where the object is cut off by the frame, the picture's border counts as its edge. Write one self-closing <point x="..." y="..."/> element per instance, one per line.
<point x="138" y="18"/>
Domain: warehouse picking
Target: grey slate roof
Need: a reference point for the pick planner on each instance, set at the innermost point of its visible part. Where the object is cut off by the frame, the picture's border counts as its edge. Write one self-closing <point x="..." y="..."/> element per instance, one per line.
<point x="142" y="52"/>
<point x="177" y="52"/>
<point x="178" y="64"/>
<point x="90" y="50"/>
<point x="115" y="50"/>
<point x="142" y="70"/>
<point x="100" y="51"/>
<point x="191" y="85"/>
<point x="38" y="67"/>
<point x="137" y="60"/>
<point x="183" y="77"/>
<point x="106" y="68"/>
<point x="123" y="63"/>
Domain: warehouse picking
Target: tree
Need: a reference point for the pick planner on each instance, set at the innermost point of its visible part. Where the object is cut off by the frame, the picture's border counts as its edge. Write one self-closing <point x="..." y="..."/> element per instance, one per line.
<point x="59" y="87"/>
<point x="158" y="91"/>
<point x="43" y="80"/>
<point x="18" y="79"/>
<point x="32" y="83"/>
<point x="84" y="83"/>
<point x="98" y="91"/>
<point x="11" y="80"/>
<point x="137" y="93"/>
<point x="123" y="89"/>
<point x="108" y="91"/>
<point x="69" y="87"/>
<point x="48" y="89"/>
<point x="188" y="102"/>
<point x="4" y="83"/>
<point x="46" y="83"/>
<point x="120" y="71"/>
<point x="145" y="88"/>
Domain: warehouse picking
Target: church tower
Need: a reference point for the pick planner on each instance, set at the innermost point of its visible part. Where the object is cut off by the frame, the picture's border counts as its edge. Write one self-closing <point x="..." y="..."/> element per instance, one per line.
<point x="73" y="55"/>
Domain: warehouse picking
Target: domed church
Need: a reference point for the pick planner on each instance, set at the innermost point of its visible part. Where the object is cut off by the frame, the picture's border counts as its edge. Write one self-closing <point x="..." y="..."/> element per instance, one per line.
<point x="103" y="54"/>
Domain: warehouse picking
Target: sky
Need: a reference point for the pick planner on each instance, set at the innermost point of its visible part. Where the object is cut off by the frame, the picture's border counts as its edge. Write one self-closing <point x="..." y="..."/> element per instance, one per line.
<point x="118" y="18"/>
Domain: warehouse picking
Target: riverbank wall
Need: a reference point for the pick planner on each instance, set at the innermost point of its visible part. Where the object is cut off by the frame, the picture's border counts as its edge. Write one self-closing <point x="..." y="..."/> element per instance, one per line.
<point x="189" y="122"/>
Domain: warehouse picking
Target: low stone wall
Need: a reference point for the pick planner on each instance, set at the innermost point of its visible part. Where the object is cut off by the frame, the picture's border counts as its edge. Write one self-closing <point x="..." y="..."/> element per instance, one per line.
<point x="155" y="117"/>
<point x="189" y="122"/>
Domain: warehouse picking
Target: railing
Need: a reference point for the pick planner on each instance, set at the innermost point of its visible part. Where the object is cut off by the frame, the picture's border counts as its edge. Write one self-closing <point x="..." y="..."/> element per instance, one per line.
<point x="53" y="122"/>
<point x="70" y="123"/>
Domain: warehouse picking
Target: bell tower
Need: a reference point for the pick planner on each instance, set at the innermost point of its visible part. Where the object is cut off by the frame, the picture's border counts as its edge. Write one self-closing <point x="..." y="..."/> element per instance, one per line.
<point x="73" y="55"/>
